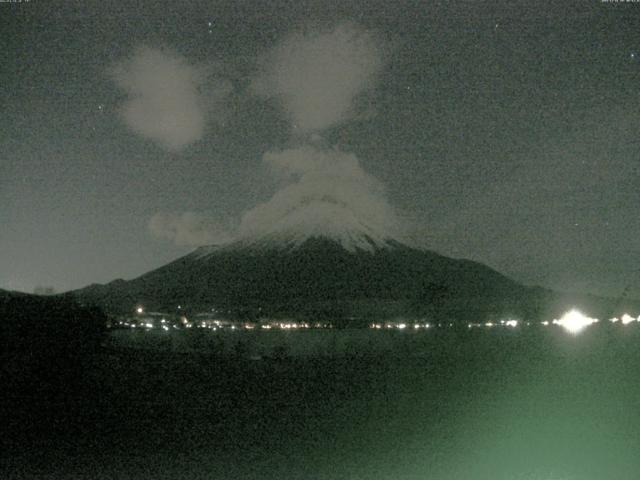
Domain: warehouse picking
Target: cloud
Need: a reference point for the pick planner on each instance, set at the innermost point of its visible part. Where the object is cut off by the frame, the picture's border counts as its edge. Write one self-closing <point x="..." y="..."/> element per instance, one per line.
<point x="317" y="76"/>
<point x="188" y="229"/>
<point x="328" y="194"/>
<point x="164" y="103"/>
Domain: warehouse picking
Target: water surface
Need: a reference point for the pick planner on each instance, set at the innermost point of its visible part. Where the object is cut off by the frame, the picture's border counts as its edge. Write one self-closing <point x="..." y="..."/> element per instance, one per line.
<point x="448" y="405"/>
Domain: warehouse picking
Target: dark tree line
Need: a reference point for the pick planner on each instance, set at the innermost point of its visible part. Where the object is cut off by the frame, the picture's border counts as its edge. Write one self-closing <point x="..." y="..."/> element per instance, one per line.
<point x="47" y="347"/>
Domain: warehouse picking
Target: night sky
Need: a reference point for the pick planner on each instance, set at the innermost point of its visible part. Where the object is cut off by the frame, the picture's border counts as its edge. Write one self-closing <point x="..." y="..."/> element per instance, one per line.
<point x="132" y="132"/>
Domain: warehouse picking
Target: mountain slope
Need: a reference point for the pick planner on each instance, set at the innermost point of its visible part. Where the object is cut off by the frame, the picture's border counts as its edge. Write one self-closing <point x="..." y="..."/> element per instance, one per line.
<point x="320" y="278"/>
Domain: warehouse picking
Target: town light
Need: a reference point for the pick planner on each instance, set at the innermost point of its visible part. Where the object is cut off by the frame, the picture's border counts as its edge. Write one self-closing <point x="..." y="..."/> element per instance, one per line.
<point x="574" y="321"/>
<point x="626" y="319"/>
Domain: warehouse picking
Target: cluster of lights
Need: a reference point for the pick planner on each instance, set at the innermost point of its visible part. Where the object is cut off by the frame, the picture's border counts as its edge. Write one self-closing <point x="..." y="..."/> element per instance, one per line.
<point x="625" y="319"/>
<point x="149" y="320"/>
<point x="399" y="326"/>
<point x="573" y="321"/>
<point x="289" y="326"/>
<point x="226" y="325"/>
<point x="504" y="323"/>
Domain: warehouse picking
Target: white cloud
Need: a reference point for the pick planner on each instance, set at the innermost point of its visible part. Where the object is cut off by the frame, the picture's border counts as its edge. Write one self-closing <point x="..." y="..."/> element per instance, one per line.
<point x="164" y="103"/>
<point x="188" y="229"/>
<point x="329" y="195"/>
<point x="317" y="76"/>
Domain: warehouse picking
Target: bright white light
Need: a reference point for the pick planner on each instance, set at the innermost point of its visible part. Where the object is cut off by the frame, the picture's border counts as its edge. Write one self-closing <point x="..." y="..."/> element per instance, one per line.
<point x="574" y="321"/>
<point x="626" y="319"/>
<point x="148" y="325"/>
<point x="402" y="326"/>
<point x="511" y="323"/>
<point x="545" y="323"/>
<point x="140" y="310"/>
<point x="488" y="324"/>
<point x="165" y="328"/>
<point x="614" y="320"/>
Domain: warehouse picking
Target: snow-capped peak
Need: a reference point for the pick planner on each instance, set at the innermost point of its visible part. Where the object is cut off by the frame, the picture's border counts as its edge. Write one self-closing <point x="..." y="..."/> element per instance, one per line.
<point x="326" y="220"/>
<point x="335" y="224"/>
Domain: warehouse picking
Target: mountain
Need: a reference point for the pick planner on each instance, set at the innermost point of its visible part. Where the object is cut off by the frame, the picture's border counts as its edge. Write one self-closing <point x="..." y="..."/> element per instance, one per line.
<point x="7" y="294"/>
<point x="353" y="279"/>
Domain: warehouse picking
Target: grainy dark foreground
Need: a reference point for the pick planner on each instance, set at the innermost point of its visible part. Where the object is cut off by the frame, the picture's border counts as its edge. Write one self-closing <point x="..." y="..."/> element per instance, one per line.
<point x="537" y="404"/>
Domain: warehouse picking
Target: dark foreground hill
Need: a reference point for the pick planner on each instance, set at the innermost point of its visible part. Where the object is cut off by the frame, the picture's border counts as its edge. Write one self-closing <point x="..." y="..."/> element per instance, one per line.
<point x="47" y="350"/>
<point x="320" y="279"/>
<point x="44" y="341"/>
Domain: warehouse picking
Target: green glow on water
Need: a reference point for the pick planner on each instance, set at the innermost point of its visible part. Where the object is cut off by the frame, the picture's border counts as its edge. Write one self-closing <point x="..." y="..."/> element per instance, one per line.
<point x="474" y="404"/>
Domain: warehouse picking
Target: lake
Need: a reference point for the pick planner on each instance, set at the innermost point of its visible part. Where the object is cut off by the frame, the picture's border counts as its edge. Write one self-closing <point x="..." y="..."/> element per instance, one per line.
<point x="503" y="403"/>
